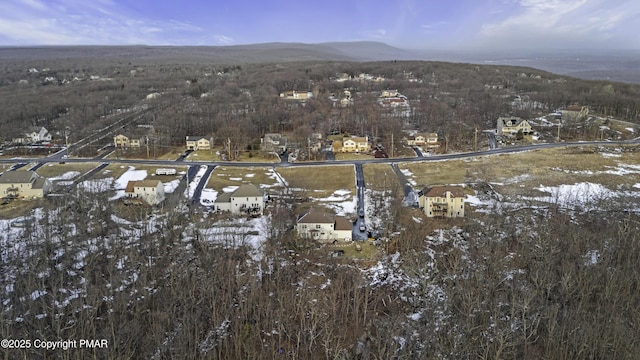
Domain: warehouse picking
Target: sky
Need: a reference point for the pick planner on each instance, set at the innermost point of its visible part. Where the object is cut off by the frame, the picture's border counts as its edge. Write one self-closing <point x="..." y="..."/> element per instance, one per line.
<point x="410" y="24"/>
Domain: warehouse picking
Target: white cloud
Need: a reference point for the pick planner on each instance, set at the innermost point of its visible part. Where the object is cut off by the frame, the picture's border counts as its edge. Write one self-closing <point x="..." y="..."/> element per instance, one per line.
<point x="69" y="22"/>
<point x="224" y="40"/>
<point x="559" y="22"/>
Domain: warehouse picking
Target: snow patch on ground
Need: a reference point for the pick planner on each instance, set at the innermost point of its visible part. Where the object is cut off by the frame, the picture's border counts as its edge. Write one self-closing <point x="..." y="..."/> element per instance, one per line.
<point x="171" y="186"/>
<point x="66" y="176"/>
<point x="573" y="195"/>
<point x="341" y="201"/>
<point x="208" y="197"/>
<point x="96" y="185"/>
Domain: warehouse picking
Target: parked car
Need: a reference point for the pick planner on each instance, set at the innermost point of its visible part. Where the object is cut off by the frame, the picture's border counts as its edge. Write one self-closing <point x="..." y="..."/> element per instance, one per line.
<point x="362" y="228"/>
<point x="361" y="213"/>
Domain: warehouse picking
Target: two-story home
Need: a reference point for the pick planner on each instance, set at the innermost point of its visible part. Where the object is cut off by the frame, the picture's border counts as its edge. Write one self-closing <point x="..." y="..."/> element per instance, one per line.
<point x="246" y="199"/>
<point x="442" y="201"/>
<point x="22" y="183"/>
<point x="123" y="141"/>
<point x="150" y="191"/>
<point x="426" y="139"/>
<point x="510" y="126"/>
<point x="354" y="144"/>
<point x="35" y="135"/>
<point x="324" y="227"/>
<point x="198" y="143"/>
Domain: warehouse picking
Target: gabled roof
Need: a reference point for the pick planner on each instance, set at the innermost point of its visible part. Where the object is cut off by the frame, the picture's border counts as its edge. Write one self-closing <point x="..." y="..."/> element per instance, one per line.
<point x="317" y="217"/>
<point x="39" y="183"/>
<point x="342" y="224"/>
<point x="223" y="198"/>
<point x="508" y="121"/>
<point x="247" y="190"/>
<point x="195" y="138"/>
<point x="147" y="183"/>
<point x="130" y="185"/>
<point x="18" y="176"/>
<point x="440" y="191"/>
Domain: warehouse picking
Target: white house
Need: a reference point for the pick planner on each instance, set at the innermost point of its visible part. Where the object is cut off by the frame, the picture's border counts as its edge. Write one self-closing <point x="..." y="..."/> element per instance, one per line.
<point x="151" y="191"/>
<point x="22" y="183"/>
<point x="34" y="136"/>
<point x="247" y="199"/>
<point x="324" y="227"/>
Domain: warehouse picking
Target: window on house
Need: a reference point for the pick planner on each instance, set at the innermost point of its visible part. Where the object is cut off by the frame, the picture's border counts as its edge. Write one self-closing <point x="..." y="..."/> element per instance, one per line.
<point x="318" y="226"/>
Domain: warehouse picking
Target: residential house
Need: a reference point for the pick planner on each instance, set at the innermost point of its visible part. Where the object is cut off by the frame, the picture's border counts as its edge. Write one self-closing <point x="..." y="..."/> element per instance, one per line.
<point x="23" y="183"/>
<point x="35" y="135"/>
<point x="296" y="95"/>
<point x="247" y="199"/>
<point x="123" y="141"/>
<point x="575" y="112"/>
<point x="510" y="126"/>
<point x="355" y="144"/>
<point x="425" y="139"/>
<point x="324" y="227"/>
<point x="442" y="201"/>
<point x="198" y="143"/>
<point x="273" y="142"/>
<point x="150" y="191"/>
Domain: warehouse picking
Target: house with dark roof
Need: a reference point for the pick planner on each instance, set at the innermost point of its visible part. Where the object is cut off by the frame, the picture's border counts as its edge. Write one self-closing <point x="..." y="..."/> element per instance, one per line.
<point x="22" y="183"/>
<point x="510" y="126"/>
<point x="246" y="199"/>
<point x="442" y="201"/>
<point x="324" y="227"/>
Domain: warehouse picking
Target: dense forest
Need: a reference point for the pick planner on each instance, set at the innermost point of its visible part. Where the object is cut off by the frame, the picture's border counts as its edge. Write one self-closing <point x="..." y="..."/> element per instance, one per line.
<point x="506" y="284"/>
<point x="519" y="282"/>
<point x="242" y="102"/>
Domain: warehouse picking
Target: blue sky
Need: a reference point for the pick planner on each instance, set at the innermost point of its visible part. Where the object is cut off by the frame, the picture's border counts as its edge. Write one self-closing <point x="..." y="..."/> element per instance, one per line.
<point x="416" y="24"/>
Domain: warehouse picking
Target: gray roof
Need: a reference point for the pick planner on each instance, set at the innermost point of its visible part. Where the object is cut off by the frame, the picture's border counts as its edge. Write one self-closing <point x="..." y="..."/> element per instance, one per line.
<point x="317" y="217"/>
<point x="18" y="176"/>
<point x="247" y="190"/>
<point x="195" y="138"/>
<point x="223" y="198"/>
<point x="40" y="183"/>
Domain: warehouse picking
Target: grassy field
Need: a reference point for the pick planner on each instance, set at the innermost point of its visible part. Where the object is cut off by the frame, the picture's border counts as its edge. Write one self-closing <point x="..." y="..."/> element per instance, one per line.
<point x="171" y="153"/>
<point x="322" y="180"/>
<point x="54" y="169"/>
<point x="233" y="176"/>
<point x="380" y="176"/>
<point x="550" y="167"/>
<point x="19" y="208"/>
<point x="368" y="251"/>
<point x="204" y="155"/>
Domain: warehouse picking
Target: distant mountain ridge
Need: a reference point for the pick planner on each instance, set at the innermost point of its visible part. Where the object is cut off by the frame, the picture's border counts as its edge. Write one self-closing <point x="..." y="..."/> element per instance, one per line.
<point x="621" y="66"/>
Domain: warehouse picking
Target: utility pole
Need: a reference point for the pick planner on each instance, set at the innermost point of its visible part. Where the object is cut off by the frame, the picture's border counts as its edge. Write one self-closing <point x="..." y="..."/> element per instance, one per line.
<point x="309" y="149"/>
<point x="475" y="140"/>
<point x="392" y="144"/>
<point x="229" y="147"/>
<point x="147" y="147"/>
<point x="559" y="122"/>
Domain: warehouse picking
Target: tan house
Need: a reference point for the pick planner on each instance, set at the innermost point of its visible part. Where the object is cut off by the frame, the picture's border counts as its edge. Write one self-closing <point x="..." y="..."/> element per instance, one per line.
<point x="426" y="139"/>
<point x="324" y="227"/>
<point x="296" y="95"/>
<point x="123" y="141"/>
<point x="247" y="199"/>
<point x="442" y="201"/>
<point x="353" y="144"/>
<point x="198" y="143"/>
<point x="23" y="183"/>
<point x="575" y="112"/>
<point x="150" y="191"/>
<point x="510" y="126"/>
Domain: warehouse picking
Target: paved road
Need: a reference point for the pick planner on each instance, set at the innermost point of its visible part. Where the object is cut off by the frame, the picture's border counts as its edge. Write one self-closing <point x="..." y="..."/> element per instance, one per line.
<point x="506" y="150"/>
<point x="417" y="151"/>
<point x="203" y="181"/>
<point x="360" y="187"/>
